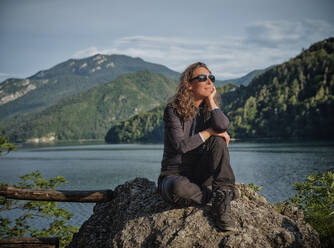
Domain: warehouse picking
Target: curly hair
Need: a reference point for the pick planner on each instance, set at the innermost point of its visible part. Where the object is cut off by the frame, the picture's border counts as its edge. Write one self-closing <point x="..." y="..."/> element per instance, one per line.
<point x="183" y="100"/>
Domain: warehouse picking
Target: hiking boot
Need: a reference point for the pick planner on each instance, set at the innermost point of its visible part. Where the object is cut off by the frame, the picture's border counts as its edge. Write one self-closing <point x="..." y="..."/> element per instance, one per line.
<point x="182" y="203"/>
<point x="236" y="193"/>
<point x="221" y="208"/>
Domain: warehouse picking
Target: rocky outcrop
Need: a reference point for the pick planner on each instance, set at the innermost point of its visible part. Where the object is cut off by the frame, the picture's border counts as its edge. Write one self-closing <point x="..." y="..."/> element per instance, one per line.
<point x="138" y="217"/>
<point x="49" y="138"/>
<point x="22" y="87"/>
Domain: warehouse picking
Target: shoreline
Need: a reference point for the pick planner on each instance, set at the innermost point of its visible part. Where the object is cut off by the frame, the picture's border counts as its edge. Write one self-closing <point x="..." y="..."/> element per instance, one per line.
<point x="102" y="142"/>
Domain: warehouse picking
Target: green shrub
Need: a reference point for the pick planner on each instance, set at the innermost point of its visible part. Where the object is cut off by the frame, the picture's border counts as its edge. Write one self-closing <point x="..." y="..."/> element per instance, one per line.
<point x="316" y="197"/>
<point x="254" y="187"/>
<point x="58" y="217"/>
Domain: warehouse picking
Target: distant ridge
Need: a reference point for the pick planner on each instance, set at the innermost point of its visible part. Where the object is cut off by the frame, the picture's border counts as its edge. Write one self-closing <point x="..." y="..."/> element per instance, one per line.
<point x="47" y="87"/>
<point x="244" y="80"/>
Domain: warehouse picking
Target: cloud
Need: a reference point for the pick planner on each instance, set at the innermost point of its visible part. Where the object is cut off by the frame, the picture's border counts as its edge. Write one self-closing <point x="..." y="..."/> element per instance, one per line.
<point x="4" y="74"/>
<point x="86" y="52"/>
<point x="275" y="34"/>
<point x="264" y="44"/>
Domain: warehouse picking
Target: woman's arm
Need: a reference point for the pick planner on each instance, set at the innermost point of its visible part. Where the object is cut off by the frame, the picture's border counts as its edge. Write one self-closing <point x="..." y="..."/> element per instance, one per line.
<point x="218" y="120"/>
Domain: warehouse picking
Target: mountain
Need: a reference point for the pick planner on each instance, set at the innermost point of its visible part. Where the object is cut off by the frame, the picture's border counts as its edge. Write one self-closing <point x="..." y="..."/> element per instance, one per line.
<point x="244" y="80"/>
<point x="90" y="114"/>
<point x="19" y="96"/>
<point x="294" y="99"/>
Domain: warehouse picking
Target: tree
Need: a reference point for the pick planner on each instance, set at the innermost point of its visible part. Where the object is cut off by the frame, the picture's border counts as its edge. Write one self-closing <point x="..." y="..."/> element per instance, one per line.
<point x="250" y="108"/>
<point x="5" y="146"/>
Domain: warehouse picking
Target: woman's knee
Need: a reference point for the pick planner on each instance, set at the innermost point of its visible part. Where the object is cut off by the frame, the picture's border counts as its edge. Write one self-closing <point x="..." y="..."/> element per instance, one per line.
<point x="217" y="142"/>
<point x="179" y="185"/>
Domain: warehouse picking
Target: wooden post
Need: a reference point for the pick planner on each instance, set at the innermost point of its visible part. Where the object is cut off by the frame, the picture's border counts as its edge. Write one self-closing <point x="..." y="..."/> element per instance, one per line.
<point x="57" y="195"/>
<point x="29" y="243"/>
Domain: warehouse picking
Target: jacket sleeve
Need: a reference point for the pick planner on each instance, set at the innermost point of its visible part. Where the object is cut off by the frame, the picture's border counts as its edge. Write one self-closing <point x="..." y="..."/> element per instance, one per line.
<point x="218" y="121"/>
<point x="180" y="142"/>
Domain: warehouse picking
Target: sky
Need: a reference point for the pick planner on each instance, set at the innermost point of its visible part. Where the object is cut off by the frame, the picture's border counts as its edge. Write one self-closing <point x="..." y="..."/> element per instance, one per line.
<point x="233" y="37"/>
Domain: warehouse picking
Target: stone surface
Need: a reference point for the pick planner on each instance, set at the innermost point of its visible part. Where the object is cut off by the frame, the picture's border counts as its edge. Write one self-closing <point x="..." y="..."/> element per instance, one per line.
<point x="138" y="217"/>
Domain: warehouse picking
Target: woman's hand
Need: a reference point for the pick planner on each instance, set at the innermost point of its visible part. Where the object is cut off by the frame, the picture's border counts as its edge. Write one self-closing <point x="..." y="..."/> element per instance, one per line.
<point x="210" y="102"/>
<point x="224" y="135"/>
<point x="213" y="93"/>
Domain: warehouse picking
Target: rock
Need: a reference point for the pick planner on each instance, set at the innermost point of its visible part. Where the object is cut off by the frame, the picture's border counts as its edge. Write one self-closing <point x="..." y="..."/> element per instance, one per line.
<point x="138" y="217"/>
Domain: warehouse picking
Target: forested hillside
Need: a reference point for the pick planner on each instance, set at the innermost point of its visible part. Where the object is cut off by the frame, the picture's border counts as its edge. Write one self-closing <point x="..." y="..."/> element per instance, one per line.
<point x="90" y="114"/>
<point x="145" y="127"/>
<point x="294" y="99"/>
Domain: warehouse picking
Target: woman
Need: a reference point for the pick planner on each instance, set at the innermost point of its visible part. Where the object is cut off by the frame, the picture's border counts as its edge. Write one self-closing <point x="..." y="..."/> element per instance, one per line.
<point x="196" y="165"/>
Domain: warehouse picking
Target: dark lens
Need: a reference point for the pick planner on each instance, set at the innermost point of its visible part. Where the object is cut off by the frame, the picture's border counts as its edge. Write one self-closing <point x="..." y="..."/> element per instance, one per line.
<point x="212" y="78"/>
<point x="202" y="78"/>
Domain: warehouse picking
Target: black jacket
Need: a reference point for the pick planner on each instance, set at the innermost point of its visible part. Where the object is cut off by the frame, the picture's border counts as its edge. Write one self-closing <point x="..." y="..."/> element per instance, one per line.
<point x="177" y="138"/>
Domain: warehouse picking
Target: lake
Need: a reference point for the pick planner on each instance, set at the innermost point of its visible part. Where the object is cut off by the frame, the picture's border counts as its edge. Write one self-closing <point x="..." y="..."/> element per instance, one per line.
<point x="275" y="165"/>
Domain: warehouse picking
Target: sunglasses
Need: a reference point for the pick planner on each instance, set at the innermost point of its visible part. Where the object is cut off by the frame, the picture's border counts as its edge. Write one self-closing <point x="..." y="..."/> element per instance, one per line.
<point x="203" y="78"/>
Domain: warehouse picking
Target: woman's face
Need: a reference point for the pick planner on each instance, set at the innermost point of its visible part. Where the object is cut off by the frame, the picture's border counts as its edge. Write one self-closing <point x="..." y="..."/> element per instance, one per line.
<point x="201" y="90"/>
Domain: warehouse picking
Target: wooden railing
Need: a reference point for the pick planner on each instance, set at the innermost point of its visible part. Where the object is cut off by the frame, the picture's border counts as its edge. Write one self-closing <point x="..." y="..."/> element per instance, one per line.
<point x="49" y="195"/>
<point x="29" y="243"/>
<point x="57" y="195"/>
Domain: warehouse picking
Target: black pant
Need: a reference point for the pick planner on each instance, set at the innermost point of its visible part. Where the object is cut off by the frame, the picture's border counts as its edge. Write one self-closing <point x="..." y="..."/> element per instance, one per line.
<point x="207" y="165"/>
